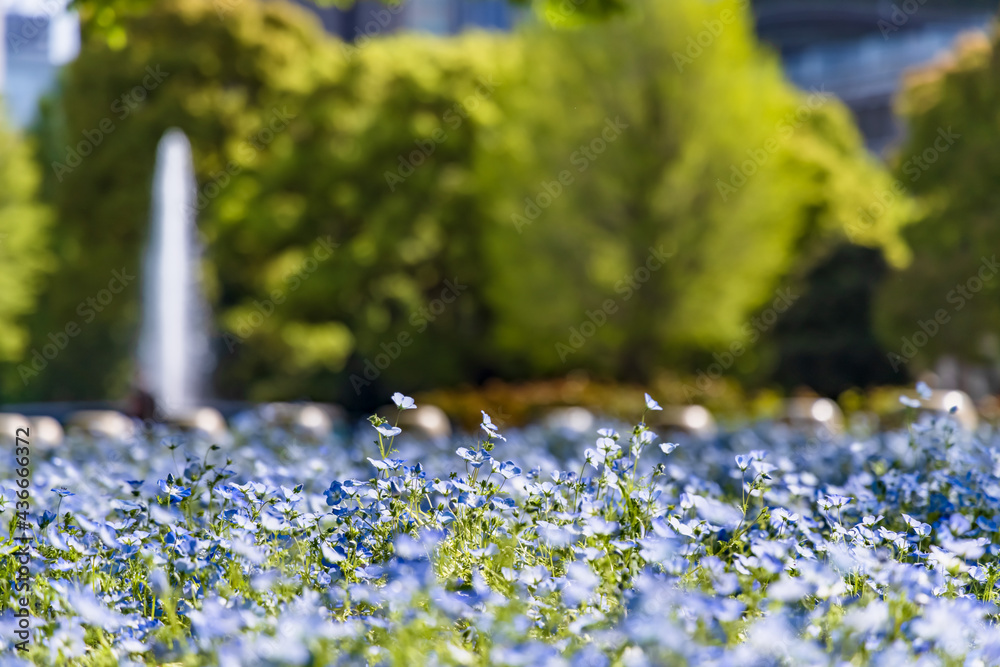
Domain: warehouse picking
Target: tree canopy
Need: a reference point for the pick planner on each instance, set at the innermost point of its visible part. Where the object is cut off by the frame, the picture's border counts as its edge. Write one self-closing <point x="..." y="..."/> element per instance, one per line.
<point x="24" y="256"/>
<point x="414" y="211"/>
<point x="947" y="301"/>
<point x="108" y="19"/>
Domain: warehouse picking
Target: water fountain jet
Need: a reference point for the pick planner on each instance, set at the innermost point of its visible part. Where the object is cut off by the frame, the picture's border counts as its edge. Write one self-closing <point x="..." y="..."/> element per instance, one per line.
<point x="174" y="357"/>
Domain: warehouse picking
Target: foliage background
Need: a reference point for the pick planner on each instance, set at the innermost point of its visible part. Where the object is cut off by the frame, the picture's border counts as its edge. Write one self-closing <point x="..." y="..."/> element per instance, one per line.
<point x="959" y="208"/>
<point x="355" y="114"/>
<point x="24" y="256"/>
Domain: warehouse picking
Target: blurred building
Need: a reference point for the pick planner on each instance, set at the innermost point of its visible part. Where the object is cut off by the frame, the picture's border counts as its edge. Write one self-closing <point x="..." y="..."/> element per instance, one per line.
<point x="859" y="50"/>
<point x="855" y="49"/>
<point x="370" y="18"/>
<point x="39" y="36"/>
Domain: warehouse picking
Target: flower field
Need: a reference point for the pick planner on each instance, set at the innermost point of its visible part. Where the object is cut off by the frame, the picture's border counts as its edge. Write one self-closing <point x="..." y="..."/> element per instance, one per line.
<point x="527" y="547"/>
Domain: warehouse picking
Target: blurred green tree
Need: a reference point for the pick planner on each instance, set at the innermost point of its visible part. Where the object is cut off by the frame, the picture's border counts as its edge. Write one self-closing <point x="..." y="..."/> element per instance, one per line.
<point x="303" y="151"/>
<point x="220" y="83"/>
<point x="746" y="180"/>
<point x="24" y="255"/>
<point x="947" y="301"/>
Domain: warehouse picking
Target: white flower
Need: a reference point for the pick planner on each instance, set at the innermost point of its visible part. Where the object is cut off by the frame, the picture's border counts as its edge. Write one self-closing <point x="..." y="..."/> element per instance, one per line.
<point x="403" y="402"/>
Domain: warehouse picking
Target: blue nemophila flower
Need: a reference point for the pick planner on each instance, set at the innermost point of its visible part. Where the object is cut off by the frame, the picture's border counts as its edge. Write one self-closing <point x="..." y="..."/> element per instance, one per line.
<point x="834" y="501"/>
<point x="988" y="525"/>
<point x="959" y="524"/>
<point x="507" y="469"/>
<point x="923" y="390"/>
<point x="225" y="473"/>
<point x="63" y="492"/>
<point x="444" y="487"/>
<point x="136" y="484"/>
<point x="503" y="503"/>
<point x="608" y="433"/>
<point x="352" y="487"/>
<point x="651" y="404"/>
<point x="476" y="458"/>
<point x="909" y="402"/>
<point x="490" y="427"/>
<point x="919" y="527"/>
<point x="644" y="437"/>
<point x="238" y="518"/>
<point x="742" y="462"/>
<point x="388" y="431"/>
<point x="386" y="464"/>
<point x="193" y="470"/>
<point x="46" y="518"/>
<point x="252" y="490"/>
<point x="595" y="457"/>
<point x="560" y="476"/>
<point x="608" y="445"/>
<point x="403" y="402"/>
<point x="781" y="516"/>
<point x="215" y="620"/>
<point x="334" y="494"/>
<point x="67" y="641"/>
<point x="159" y="582"/>
<point x="284" y="507"/>
<point x="173" y="491"/>
<point x="89" y="607"/>
<point x="597" y="525"/>
<point x="273" y="523"/>
<point x="668" y="447"/>
<point x="228" y="492"/>
<point x="473" y="500"/>
<point x="972" y="549"/>
<point x="125" y="505"/>
<point x="332" y="554"/>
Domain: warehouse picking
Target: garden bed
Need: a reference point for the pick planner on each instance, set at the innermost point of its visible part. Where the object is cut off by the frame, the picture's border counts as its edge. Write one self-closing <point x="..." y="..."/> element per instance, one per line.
<point x="761" y="546"/>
